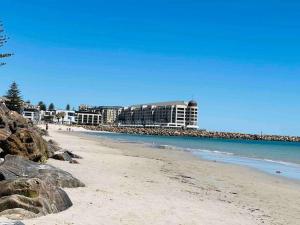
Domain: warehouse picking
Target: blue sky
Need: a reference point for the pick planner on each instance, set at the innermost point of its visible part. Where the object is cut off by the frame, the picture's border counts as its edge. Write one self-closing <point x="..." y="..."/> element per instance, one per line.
<point x="239" y="59"/>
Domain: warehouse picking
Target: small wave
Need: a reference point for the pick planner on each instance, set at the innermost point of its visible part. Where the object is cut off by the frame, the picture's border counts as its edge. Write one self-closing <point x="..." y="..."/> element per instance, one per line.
<point x="165" y="146"/>
<point x="281" y="162"/>
<point x="210" y="151"/>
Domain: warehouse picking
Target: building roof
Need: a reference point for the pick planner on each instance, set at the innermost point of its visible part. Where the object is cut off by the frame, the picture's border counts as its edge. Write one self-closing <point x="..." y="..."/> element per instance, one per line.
<point x="162" y="103"/>
<point x="88" y="112"/>
<point x="108" y="107"/>
<point x="30" y="110"/>
<point x="192" y="103"/>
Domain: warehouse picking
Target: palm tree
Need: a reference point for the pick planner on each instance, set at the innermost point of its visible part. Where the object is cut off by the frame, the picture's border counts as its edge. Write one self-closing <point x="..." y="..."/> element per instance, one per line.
<point x="60" y="115"/>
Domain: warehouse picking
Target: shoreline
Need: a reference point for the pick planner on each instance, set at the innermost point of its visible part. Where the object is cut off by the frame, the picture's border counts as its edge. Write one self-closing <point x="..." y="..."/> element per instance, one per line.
<point x="193" y="133"/>
<point x="108" y="142"/>
<point x="284" y="169"/>
<point x="128" y="184"/>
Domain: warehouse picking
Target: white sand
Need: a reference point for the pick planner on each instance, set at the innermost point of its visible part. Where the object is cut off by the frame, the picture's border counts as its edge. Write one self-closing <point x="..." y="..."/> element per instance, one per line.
<point x="131" y="184"/>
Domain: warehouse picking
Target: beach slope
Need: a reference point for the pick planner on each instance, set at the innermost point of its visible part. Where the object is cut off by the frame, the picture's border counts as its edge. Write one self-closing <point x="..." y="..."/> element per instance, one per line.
<point x="131" y="184"/>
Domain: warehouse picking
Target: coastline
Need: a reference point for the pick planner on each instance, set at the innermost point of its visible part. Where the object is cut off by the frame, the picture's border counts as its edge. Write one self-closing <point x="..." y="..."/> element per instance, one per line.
<point x="131" y="184"/>
<point x="191" y="133"/>
<point x="115" y="143"/>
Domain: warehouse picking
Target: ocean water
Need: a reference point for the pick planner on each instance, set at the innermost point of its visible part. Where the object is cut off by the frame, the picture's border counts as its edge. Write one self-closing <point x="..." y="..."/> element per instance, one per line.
<point x="266" y="156"/>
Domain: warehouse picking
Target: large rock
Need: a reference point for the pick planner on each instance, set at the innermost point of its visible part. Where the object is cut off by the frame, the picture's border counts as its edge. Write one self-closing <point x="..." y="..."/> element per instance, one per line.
<point x="65" y="156"/>
<point x="27" y="143"/>
<point x="17" y="137"/>
<point x="15" y="167"/>
<point x="31" y="197"/>
<point x="10" y="121"/>
<point x="52" y="148"/>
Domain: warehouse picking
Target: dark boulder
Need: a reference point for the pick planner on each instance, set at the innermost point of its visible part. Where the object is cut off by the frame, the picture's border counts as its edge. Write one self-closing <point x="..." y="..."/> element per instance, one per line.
<point x="74" y="156"/>
<point x="64" y="156"/>
<point x="31" y="197"/>
<point x="10" y="121"/>
<point x="15" y="167"/>
<point x="52" y="148"/>
<point x="74" y="161"/>
<point x="27" y="143"/>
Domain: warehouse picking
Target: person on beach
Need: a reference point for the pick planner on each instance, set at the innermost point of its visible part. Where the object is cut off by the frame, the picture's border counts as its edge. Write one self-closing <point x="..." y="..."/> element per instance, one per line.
<point x="46" y="126"/>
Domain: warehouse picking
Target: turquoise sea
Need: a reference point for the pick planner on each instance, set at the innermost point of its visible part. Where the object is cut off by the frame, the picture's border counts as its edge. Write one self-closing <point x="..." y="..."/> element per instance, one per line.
<point x="267" y="156"/>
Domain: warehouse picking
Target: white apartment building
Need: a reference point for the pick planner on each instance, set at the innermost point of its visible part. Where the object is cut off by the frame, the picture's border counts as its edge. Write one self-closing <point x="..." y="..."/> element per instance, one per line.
<point x="175" y="114"/>
<point x="110" y="114"/>
<point x="31" y="114"/>
<point x="88" y="118"/>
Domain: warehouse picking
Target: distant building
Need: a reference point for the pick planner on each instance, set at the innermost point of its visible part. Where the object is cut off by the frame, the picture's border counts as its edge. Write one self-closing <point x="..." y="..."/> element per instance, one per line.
<point x="88" y="118"/>
<point x="31" y="114"/>
<point x="110" y="114"/>
<point x="48" y="115"/>
<point x="175" y="114"/>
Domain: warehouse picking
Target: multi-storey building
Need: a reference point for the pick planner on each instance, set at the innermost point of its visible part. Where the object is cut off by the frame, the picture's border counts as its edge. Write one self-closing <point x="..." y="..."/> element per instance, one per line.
<point x="31" y="114"/>
<point x="88" y="117"/>
<point x="176" y="114"/>
<point x="110" y="114"/>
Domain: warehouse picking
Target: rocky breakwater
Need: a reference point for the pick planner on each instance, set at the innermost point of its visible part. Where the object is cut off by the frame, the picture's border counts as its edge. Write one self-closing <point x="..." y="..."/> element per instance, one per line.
<point x="192" y="133"/>
<point x="28" y="187"/>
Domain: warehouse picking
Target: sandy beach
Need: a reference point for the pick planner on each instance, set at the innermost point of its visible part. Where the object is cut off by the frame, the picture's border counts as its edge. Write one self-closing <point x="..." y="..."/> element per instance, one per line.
<point x="132" y="184"/>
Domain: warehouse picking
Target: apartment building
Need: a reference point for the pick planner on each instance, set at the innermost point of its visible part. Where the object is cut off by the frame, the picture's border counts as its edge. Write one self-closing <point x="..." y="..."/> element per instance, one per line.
<point x="88" y="118"/>
<point x="110" y="114"/>
<point x="174" y="114"/>
<point x="31" y="114"/>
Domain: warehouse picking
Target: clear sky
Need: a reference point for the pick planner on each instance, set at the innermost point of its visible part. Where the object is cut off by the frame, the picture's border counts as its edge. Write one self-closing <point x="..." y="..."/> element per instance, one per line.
<point x="239" y="59"/>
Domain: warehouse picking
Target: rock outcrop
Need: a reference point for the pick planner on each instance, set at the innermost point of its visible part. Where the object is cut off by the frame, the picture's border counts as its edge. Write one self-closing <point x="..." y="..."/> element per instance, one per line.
<point x="10" y="121"/>
<point x="15" y="167"/>
<point x="27" y="143"/>
<point x="66" y="156"/>
<point x="29" y="189"/>
<point x="31" y="197"/>
<point x="18" y="137"/>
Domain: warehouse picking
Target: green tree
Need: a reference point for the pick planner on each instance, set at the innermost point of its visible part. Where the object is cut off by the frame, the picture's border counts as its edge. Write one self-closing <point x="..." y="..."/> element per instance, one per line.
<point x="60" y="115"/>
<point x="14" y="96"/>
<point x="42" y="106"/>
<point x="68" y="107"/>
<point x="3" y="41"/>
<point x="51" y="106"/>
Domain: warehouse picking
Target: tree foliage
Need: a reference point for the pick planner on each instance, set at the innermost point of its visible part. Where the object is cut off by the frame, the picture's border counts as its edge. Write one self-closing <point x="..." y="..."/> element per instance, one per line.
<point x="42" y="106"/>
<point x="14" y="96"/>
<point x="60" y="115"/>
<point x="51" y="106"/>
<point x="3" y="41"/>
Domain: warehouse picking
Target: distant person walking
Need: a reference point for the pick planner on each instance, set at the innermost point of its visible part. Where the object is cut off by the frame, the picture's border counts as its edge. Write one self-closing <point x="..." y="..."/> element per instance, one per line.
<point x="47" y="126"/>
